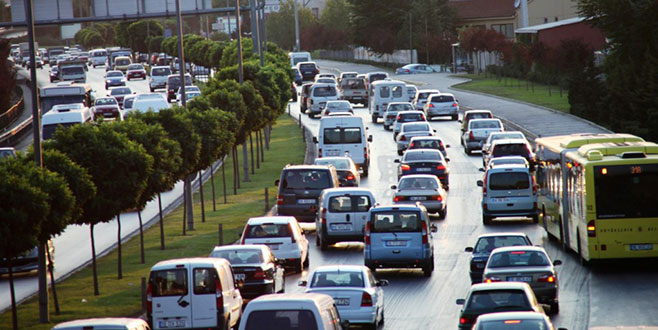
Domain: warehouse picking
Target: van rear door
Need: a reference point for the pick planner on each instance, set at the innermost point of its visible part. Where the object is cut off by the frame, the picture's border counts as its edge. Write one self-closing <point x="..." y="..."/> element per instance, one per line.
<point x="344" y="137"/>
<point x="172" y="298"/>
<point x="204" y="300"/>
<point x="396" y="236"/>
<point x="510" y="190"/>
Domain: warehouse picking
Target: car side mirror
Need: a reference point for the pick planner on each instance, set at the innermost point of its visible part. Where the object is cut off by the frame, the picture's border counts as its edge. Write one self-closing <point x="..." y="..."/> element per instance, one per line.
<point x="396" y="161"/>
<point x="447" y="146"/>
<point x="468" y="249"/>
<point x="481" y="169"/>
<point x="434" y="130"/>
<point x="382" y="283"/>
<point x="394" y="187"/>
<point x="447" y="159"/>
<point x="460" y="301"/>
<point x="480" y="183"/>
<point x="557" y="262"/>
<point x="315" y="139"/>
<point x="302" y="283"/>
<point x="369" y="138"/>
<point x="276" y="182"/>
<point x="434" y="228"/>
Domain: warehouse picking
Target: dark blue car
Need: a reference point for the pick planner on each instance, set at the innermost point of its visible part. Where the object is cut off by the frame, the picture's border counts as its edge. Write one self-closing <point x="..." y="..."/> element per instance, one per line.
<point x="485" y="244"/>
<point x="298" y="77"/>
<point x="424" y="161"/>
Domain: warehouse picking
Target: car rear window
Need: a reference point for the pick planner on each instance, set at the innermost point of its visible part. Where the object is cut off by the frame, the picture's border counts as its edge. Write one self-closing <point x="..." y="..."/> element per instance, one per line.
<point x="160" y="71"/>
<point x="239" y="257"/>
<point x="509" y="181"/>
<point x="324" y="91"/>
<point x="342" y="135"/>
<point x="416" y="127"/>
<point x="268" y="230"/>
<point x="169" y="282"/>
<point x="395" y="221"/>
<point x="418" y="183"/>
<point x="407" y="117"/>
<point x="338" y="163"/>
<point x="426" y="144"/>
<point x="281" y="320"/>
<point x="518" y="259"/>
<point x="487" y="244"/>
<point x="443" y="98"/>
<point x="306" y="179"/>
<point x="352" y="203"/>
<point x="397" y="91"/>
<point x="376" y="77"/>
<point x="514" y="324"/>
<point x="479" y="115"/>
<point x="399" y="107"/>
<point x="205" y="281"/>
<point x="485" y="124"/>
<point x="508" y="149"/>
<point x="353" y="84"/>
<point x="427" y="156"/>
<point x="337" y="279"/>
<point x="308" y="66"/>
<point x="497" y="300"/>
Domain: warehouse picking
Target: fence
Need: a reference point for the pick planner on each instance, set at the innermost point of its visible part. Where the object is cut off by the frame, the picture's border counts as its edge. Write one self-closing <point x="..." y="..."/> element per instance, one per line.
<point x="362" y="54"/>
<point x="10" y="116"/>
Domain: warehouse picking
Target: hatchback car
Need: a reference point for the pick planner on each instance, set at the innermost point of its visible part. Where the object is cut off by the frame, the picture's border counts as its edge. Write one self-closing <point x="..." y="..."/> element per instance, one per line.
<point x="514" y="321"/>
<point x="529" y="264"/>
<point x="443" y="104"/>
<point x="428" y="142"/>
<point x="135" y="71"/>
<point x="510" y="147"/>
<point x="499" y="136"/>
<point x="486" y="243"/>
<point x="283" y="236"/>
<point x="343" y="215"/>
<point x="421" y="97"/>
<point x="410" y="130"/>
<point x="399" y="236"/>
<point x="299" y="189"/>
<point x="337" y="106"/>
<point x="308" y="70"/>
<point x="173" y="84"/>
<point x="119" y="93"/>
<point x="406" y="117"/>
<point x="392" y="111"/>
<point x="255" y="266"/>
<point x="487" y="298"/>
<point x="423" y="188"/>
<point x="474" y="114"/>
<point x="506" y="160"/>
<point x="114" y="78"/>
<point x="477" y="132"/>
<point x="425" y="161"/>
<point x="357" y="294"/>
<point x="348" y="174"/>
<point x="414" y="68"/>
<point x="108" y="107"/>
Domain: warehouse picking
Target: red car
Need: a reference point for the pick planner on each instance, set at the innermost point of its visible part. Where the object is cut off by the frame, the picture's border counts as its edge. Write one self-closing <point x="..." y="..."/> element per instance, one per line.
<point x="119" y="93"/>
<point x="135" y="71"/>
<point x="108" y="107"/>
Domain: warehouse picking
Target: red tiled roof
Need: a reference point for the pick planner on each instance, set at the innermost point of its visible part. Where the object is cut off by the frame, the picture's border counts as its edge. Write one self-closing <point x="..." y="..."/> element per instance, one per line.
<point x="473" y="9"/>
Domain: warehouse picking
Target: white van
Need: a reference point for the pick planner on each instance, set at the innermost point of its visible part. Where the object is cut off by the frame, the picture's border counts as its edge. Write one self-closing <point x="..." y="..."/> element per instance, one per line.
<point x="383" y="92"/>
<point x="64" y="115"/>
<point x="97" y="57"/>
<point x="344" y="136"/>
<point x="193" y="293"/>
<point x="292" y="311"/>
<point x="114" y="323"/>
<point x="343" y="215"/>
<point x="297" y="57"/>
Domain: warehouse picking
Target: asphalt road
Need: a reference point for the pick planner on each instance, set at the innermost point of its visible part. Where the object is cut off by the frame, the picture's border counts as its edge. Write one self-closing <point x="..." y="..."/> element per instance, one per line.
<point x="605" y="296"/>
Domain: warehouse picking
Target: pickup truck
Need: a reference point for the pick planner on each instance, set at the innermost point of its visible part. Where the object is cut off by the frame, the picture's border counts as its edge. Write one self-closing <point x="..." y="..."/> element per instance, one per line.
<point x="477" y="132"/>
<point x="353" y="90"/>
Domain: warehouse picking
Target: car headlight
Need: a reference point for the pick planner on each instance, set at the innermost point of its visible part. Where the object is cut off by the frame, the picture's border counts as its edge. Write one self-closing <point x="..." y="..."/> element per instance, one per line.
<point x="108" y="81"/>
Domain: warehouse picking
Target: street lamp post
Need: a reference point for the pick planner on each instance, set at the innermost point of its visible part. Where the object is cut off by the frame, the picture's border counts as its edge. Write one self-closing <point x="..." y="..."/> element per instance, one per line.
<point x="297" y="48"/>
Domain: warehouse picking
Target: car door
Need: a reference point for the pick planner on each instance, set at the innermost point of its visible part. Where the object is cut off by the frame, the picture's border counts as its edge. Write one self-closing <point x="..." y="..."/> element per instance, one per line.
<point x="204" y="290"/>
<point x="391" y="242"/>
<point x="171" y="297"/>
<point x="232" y="295"/>
<point x="361" y="204"/>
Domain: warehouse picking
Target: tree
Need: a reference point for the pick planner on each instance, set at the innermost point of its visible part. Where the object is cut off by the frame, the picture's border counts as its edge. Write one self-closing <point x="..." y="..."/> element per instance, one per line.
<point x="280" y="26"/>
<point x="8" y="81"/>
<point x="366" y="24"/>
<point x="142" y="30"/>
<point x="118" y="167"/>
<point x="121" y="34"/>
<point x="155" y="43"/>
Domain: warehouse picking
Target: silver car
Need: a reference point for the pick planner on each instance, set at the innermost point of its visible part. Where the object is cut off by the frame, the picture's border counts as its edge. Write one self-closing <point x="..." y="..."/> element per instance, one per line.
<point x="337" y="106"/>
<point x="421" y="97"/>
<point x="392" y="111"/>
<point x="443" y="104"/>
<point x="406" y="117"/>
<point x="423" y="188"/>
<point x="409" y="130"/>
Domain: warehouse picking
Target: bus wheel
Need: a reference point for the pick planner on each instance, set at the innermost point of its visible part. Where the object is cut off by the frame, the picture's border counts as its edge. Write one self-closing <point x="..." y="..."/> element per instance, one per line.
<point x="582" y="260"/>
<point x="564" y="244"/>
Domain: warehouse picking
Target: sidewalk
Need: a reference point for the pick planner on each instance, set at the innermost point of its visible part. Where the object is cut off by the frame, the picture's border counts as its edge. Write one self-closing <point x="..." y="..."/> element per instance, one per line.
<point x="537" y="120"/>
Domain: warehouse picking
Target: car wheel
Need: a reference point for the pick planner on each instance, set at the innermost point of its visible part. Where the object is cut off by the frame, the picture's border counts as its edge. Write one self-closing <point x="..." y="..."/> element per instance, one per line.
<point x="299" y="267"/>
<point x="399" y="152"/>
<point x="386" y="127"/>
<point x="442" y="214"/>
<point x="454" y="117"/>
<point x="283" y="285"/>
<point x="486" y="220"/>
<point x="152" y="90"/>
<point x="106" y="86"/>
<point x="427" y="270"/>
<point x="535" y="218"/>
<point x="307" y="262"/>
<point x="374" y="119"/>
<point x="365" y="169"/>
<point x="555" y="307"/>
<point x="467" y="151"/>
<point x="128" y="78"/>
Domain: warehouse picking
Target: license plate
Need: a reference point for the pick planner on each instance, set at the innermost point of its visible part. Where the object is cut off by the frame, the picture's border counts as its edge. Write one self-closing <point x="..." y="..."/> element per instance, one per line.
<point x="306" y="201"/>
<point x="239" y="277"/>
<point x="500" y="200"/>
<point x="273" y="246"/>
<point x="424" y="169"/>
<point x="172" y="324"/>
<point x="519" y="278"/>
<point x="342" y="227"/>
<point x="333" y="152"/>
<point x="641" y="247"/>
<point x="418" y="198"/>
<point x="342" y="301"/>
<point x="396" y="243"/>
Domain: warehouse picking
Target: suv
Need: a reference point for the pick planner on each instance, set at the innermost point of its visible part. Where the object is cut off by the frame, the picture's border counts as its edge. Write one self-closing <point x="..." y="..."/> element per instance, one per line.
<point x="158" y="77"/>
<point x="308" y="70"/>
<point x="299" y="189"/>
<point x="173" y="84"/>
<point x="474" y="114"/>
<point x="283" y="235"/>
<point x="443" y="104"/>
<point x="399" y="236"/>
<point x="510" y="147"/>
<point x="486" y="243"/>
<point x="508" y="191"/>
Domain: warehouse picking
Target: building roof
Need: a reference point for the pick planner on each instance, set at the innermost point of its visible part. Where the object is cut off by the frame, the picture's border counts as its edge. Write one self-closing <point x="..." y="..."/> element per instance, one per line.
<point x="475" y="9"/>
<point x="546" y="26"/>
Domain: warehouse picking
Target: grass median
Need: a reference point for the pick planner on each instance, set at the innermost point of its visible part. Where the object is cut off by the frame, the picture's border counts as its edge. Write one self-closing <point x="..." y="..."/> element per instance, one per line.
<point x="122" y="298"/>
<point x="517" y="89"/>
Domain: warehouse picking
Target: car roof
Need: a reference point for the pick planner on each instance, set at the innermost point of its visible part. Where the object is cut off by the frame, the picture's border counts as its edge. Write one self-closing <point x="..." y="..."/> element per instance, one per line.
<point x="428" y="91"/>
<point x="506" y="167"/>
<point x="100" y="323"/>
<point x="509" y="141"/>
<point x="235" y="247"/>
<point x="343" y="190"/>
<point x="500" y="286"/>
<point x="305" y="167"/>
<point x="429" y="137"/>
<point x="512" y="315"/>
<point x="519" y="248"/>
<point x="391" y="103"/>
<point x="335" y="158"/>
<point x="338" y="114"/>
<point x="412" y="112"/>
<point x="278" y="301"/>
<point x="476" y="111"/>
<point x="422" y="151"/>
<point x="166" y="264"/>
<point x="415" y="123"/>
<point x="271" y="219"/>
<point x="499" y="234"/>
<point x="419" y="176"/>
<point x="339" y="268"/>
<point x="443" y="94"/>
<point x="404" y="207"/>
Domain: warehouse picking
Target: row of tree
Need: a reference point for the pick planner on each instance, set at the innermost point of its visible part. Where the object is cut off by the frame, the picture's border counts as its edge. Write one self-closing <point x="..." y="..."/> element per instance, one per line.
<point x="94" y="172"/>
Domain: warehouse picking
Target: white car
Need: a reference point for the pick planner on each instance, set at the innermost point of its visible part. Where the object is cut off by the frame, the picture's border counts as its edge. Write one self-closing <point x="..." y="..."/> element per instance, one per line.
<point x="150" y="101"/>
<point x="409" y="130"/>
<point x="357" y="294"/>
<point x="283" y="235"/>
<point x="337" y="106"/>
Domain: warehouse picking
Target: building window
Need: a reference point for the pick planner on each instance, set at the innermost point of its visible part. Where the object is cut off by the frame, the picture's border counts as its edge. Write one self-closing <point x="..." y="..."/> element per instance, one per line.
<point x="505" y="29"/>
<point x="556" y="19"/>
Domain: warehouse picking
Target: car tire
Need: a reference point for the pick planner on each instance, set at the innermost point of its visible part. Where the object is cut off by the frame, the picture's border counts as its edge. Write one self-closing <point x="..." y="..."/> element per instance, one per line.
<point x="283" y="286"/>
<point x="299" y="267"/>
<point x="365" y="169"/>
<point x="555" y="308"/>
<point x="454" y="117"/>
<point x="486" y="220"/>
<point x="381" y="321"/>
<point x="442" y="214"/>
<point x="128" y="78"/>
<point x="467" y="151"/>
<point x="400" y="152"/>
<point x="386" y="127"/>
<point x="535" y="218"/>
<point x="374" y="119"/>
<point x="307" y="262"/>
<point x="106" y="86"/>
<point x="152" y="89"/>
<point x="322" y="243"/>
<point x="427" y="270"/>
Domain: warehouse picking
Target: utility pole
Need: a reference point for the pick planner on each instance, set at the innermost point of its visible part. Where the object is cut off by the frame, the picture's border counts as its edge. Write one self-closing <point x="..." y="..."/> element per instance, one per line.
<point x="228" y="24"/>
<point x="411" y="48"/>
<point x="297" y="47"/>
<point x="255" y="31"/>
<point x="239" y="34"/>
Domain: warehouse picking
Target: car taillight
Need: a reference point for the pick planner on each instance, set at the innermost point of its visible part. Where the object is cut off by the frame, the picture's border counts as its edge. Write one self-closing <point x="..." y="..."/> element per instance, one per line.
<point x="591" y="229"/>
<point x="365" y="153"/>
<point x="438" y="198"/>
<point x="441" y="167"/>
<point x="430" y="105"/>
<point x="424" y="232"/>
<point x="399" y="198"/>
<point x="411" y="145"/>
<point x="219" y="298"/>
<point x="279" y="200"/>
<point x="492" y="279"/>
<point x="464" y="320"/>
<point x="407" y="70"/>
<point x="316" y="71"/>
<point x="367" y="234"/>
<point x="244" y="234"/>
<point x="259" y="275"/>
<point x="441" y="144"/>
<point x="484" y="187"/>
<point x="403" y="138"/>
<point x="149" y="298"/>
<point x="324" y="214"/>
<point x="549" y="278"/>
<point x="292" y="234"/>
<point x="405" y="167"/>
<point x="470" y="136"/>
<point x="366" y="300"/>
<point x="454" y="104"/>
<point x="399" y="118"/>
<point x="350" y="177"/>
<point x="423" y="118"/>
<point x="319" y="152"/>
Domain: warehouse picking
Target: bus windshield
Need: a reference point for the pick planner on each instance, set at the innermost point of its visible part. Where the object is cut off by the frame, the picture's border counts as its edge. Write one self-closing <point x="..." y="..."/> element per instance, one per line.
<point x="626" y="191"/>
<point x="48" y="102"/>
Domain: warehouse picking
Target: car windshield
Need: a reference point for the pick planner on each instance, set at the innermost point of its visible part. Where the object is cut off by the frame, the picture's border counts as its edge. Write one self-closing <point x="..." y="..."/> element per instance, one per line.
<point x="337" y="279"/>
<point x="395" y="221"/>
<point x="240" y="257"/>
<point x="338" y="163"/>
<point x="509" y="181"/>
<point x="106" y="101"/>
<point x="281" y="320"/>
<point x="418" y="184"/>
<point x="114" y="74"/>
<point x="421" y="127"/>
<point x="487" y="244"/>
<point x="517" y="259"/>
<point x="422" y="156"/>
<point x="500" y="300"/>
<point x="160" y="72"/>
<point x="485" y="124"/>
<point x="324" y="91"/>
<point x="306" y="179"/>
<point x="514" y="324"/>
<point x="268" y="230"/>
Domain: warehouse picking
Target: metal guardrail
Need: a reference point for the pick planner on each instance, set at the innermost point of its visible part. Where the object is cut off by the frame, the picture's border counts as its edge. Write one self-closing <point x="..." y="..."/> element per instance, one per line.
<point x="10" y="115"/>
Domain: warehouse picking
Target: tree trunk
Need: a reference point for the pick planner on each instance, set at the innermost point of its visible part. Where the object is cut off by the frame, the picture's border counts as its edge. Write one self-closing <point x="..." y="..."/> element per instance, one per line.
<point x="119" y="270"/>
<point x="93" y="261"/>
<point x="162" y="240"/>
<point x="51" y="269"/>
<point x="141" y="236"/>
<point x="42" y="278"/>
<point x="184" y="208"/>
<point x="262" y="151"/>
<point x="251" y="150"/>
<point x="245" y="161"/>
<point x="212" y="185"/>
<point x="224" y="179"/>
<point x="189" y="202"/>
<point x="268" y="133"/>
<point x="258" y="147"/>
<point x="12" y="293"/>
<point x="203" y="208"/>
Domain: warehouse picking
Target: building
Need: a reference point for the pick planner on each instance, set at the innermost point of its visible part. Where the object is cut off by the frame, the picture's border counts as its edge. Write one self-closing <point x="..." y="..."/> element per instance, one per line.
<point x="316" y="6"/>
<point x="551" y="34"/>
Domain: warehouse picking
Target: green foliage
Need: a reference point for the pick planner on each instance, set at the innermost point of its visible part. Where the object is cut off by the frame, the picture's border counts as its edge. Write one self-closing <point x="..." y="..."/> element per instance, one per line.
<point x="280" y="26"/>
<point x="214" y="54"/>
<point x="8" y="81"/>
<point x="225" y="94"/>
<point x="366" y="24"/>
<point x="118" y="167"/>
<point x="219" y="36"/>
<point x="121" y="34"/>
<point x="141" y="31"/>
<point x="155" y="43"/>
<point x="214" y="126"/>
<point x="170" y="46"/>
